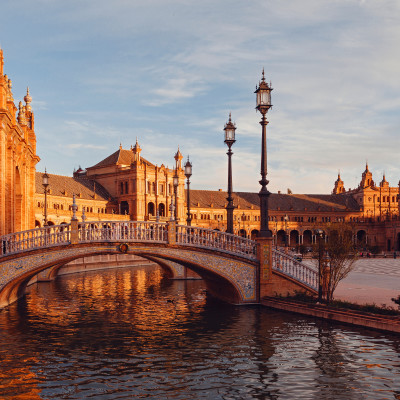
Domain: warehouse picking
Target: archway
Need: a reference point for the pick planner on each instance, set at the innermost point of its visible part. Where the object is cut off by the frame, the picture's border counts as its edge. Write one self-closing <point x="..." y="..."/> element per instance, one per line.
<point x="281" y="238"/>
<point x="150" y="209"/>
<point x="124" y="207"/>
<point x="307" y="238"/>
<point x="294" y="238"/>
<point x="243" y="233"/>
<point x="37" y="224"/>
<point x="161" y="210"/>
<point x="254" y="234"/>
<point x="361" y="236"/>
<point x="211" y="267"/>
<point x="398" y="242"/>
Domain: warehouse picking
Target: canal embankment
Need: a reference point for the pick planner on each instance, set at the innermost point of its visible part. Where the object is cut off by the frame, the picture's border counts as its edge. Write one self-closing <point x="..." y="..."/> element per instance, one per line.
<point x="369" y="320"/>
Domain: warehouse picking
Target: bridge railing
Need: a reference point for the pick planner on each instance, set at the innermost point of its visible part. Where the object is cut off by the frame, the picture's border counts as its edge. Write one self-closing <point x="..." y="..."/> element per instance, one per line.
<point x="211" y="239"/>
<point x="127" y="231"/>
<point x="32" y="239"/>
<point x="289" y="266"/>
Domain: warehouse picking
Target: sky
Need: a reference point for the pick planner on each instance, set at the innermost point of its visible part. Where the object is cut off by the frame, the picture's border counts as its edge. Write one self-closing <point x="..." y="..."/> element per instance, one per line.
<point x="168" y="72"/>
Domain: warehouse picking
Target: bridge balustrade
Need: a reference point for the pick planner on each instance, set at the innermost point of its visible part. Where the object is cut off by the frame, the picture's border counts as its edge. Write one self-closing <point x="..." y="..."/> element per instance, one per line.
<point x="132" y="231"/>
<point x="291" y="267"/>
<point x="211" y="239"/>
<point x="154" y="232"/>
<point x="32" y="239"/>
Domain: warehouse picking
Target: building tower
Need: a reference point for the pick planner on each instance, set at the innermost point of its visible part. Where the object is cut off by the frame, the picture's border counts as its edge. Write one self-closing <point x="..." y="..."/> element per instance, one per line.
<point x="339" y="186"/>
<point x="18" y="159"/>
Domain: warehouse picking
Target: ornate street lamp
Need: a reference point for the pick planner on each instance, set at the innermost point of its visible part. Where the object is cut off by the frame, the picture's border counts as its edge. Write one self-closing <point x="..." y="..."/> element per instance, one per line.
<point x="286" y="219"/>
<point x="45" y="183"/>
<point x="176" y="183"/>
<point x="319" y="233"/>
<point x="263" y="92"/>
<point x="188" y="174"/>
<point x="229" y="129"/>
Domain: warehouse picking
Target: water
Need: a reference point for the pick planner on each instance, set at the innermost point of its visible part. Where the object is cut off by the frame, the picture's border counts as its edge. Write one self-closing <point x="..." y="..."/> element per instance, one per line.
<point x="130" y="333"/>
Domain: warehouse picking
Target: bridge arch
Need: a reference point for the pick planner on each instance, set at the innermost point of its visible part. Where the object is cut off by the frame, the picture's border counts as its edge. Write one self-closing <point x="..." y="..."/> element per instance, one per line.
<point x="216" y="270"/>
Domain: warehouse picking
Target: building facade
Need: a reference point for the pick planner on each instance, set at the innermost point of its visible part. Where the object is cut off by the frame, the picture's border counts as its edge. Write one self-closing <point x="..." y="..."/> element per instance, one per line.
<point x="130" y="187"/>
<point x="18" y="159"/>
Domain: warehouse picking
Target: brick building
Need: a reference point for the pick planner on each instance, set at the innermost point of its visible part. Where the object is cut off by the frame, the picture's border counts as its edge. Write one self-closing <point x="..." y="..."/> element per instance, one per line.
<point x="18" y="159"/>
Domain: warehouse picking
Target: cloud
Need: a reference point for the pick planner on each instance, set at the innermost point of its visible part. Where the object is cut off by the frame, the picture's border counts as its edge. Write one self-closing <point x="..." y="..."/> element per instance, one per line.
<point x="170" y="73"/>
<point x="84" y="146"/>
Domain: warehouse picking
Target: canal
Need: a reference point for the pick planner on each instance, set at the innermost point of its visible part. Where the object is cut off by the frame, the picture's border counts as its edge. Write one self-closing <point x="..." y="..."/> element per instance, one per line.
<point x="131" y="333"/>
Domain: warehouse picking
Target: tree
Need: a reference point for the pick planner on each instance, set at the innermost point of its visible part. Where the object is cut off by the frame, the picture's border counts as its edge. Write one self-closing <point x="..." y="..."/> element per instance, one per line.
<point x="336" y="256"/>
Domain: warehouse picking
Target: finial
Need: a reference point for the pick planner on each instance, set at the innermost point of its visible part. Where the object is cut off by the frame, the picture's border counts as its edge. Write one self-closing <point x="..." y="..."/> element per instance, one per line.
<point x="230" y="117"/>
<point x="263" y="77"/>
<point x="120" y="145"/>
<point x="74" y="209"/>
<point x="21" y="114"/>
<point x="28" y="100"/>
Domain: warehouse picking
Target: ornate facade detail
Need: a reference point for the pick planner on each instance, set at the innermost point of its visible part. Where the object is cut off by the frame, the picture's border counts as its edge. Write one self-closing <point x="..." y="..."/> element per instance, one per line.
<point x="18" y="160"/>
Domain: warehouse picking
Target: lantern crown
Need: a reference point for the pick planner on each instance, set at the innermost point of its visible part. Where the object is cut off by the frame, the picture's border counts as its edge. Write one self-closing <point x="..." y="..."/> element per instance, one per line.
<point x="263" y="92"/>
<point x="188" y="168"/>
<point x="230" y="129"/>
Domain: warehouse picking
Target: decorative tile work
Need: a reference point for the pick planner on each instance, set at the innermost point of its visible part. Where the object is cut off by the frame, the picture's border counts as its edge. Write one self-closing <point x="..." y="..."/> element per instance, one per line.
<point x="12" y="269"/>
<point x="178" y="270"/>
<point x="240" y="274"/>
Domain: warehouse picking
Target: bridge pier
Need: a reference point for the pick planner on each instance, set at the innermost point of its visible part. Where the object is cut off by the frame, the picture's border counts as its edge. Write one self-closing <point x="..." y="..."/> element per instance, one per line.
<point x="264" y="255"/>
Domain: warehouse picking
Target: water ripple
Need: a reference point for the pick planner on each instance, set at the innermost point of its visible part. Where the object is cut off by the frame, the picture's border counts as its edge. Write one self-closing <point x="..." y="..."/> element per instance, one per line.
<point x="113" y="335"/>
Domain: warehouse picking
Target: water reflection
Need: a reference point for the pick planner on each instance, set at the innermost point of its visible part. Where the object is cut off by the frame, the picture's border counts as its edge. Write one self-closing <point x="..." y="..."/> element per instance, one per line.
<point x="129" y="332"/>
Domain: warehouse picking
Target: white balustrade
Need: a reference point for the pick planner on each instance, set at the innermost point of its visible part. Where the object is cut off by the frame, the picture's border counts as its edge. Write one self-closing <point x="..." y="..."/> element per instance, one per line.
<point x="289" y="266"/>
<point x="53" y="235"/>
<point x="154" y="232"/>
<point x="125" y="231"/>
<point x="211" y="239"/>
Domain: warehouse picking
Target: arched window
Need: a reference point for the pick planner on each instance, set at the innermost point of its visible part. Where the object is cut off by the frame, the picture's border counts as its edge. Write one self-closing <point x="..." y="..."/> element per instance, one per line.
<point x="150" y="209"/>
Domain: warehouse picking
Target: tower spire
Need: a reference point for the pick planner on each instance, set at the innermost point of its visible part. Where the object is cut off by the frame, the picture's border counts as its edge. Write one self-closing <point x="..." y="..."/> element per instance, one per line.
<point x="28" y="100"/>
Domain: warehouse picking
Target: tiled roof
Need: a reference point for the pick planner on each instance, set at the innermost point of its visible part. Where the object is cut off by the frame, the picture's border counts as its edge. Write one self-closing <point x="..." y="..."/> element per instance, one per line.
<point x="120" y="157"/>
<point x="281" y="202"/>
<point x="59" y="185"/>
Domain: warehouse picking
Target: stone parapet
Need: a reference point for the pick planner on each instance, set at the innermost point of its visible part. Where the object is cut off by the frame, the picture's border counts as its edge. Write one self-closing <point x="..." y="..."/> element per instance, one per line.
<point x="367" y="320"/>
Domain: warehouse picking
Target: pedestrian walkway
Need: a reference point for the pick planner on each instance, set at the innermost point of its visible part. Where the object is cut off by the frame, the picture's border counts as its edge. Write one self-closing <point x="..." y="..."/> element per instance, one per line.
<point x="372" y="281"/>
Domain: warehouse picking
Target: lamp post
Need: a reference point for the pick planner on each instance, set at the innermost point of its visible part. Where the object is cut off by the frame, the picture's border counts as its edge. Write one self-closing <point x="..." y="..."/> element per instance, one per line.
<point x="45" y="183"/>
<point x="188" y="174"/>
<point x="319" y="233"/>
<point x="176" y="183"/>
<point x="286" y="219"/>
<point x="263" y="92"/>
<point x="229" y="129"/>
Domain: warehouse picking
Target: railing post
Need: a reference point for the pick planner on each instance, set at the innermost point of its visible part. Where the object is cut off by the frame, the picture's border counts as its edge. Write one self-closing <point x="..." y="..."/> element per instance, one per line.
<point x="264" y="256"/>
<point x="171" y="228"/>
<point x="74" y="232"/>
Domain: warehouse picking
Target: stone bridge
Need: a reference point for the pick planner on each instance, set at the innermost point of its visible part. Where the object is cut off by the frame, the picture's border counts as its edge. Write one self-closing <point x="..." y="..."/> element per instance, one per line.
<point x="235" y="269"/>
